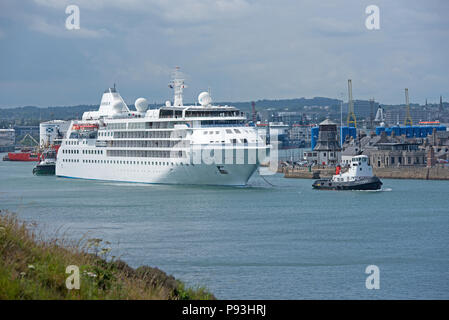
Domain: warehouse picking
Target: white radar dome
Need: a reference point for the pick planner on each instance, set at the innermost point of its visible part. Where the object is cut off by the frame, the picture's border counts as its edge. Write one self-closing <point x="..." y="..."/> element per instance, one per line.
<point x="117" y="106"/>
<point x="141" y="104"/>
<point x="167" y="103"/>
<point x="204" y="98"/>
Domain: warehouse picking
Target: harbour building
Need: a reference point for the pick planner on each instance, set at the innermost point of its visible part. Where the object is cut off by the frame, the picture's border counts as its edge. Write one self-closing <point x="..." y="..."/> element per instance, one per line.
<point x="7" y="140"/>
<point x="327" y="150"/>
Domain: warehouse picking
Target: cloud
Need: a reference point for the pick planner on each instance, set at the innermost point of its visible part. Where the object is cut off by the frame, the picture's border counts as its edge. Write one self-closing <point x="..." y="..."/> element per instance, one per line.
<point x="39" y="24"/>
<point x="175" y="11"/>
<point x="242" y="49"/>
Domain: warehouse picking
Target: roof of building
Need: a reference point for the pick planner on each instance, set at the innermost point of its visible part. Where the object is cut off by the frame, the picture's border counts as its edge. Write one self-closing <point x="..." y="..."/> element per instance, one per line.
<point x="327" y="122"/>
<point x="351" y="151"/>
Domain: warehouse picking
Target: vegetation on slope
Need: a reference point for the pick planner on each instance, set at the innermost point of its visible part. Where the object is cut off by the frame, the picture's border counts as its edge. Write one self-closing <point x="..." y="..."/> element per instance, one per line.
<point x="33" y="268"/>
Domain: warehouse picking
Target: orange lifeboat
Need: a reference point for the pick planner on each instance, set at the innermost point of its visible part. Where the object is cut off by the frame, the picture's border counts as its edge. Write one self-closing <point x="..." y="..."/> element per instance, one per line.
<point x="87" y="126"/>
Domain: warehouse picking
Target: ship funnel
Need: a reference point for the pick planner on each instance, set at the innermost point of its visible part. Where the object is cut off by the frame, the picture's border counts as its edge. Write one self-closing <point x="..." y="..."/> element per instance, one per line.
<point x="112" y="103"/>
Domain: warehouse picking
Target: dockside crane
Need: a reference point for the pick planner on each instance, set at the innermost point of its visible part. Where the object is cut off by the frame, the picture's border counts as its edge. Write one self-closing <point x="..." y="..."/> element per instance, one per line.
<point x="253" y="107"/>
<point x="408" y="118"/>
<point x="29" y="137"/>
<point x="352" y="122"/>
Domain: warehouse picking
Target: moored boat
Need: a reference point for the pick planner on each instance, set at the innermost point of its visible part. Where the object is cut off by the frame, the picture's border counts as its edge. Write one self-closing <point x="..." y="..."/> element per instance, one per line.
<point x="48" y="164"/>
<point x="23" y="156"/>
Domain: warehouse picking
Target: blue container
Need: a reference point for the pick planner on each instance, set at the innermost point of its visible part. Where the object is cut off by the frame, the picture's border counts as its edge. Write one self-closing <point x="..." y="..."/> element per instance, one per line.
<point x="347" y="132"/>
<point x="379" y="130"/>
<point x="409" y="132"/>
<point x="423" y="132"/>
<point x="314" y="136"/>
<point x="416" y="131"/>
<point x="396" y="130"/>
<point x="441" y="128"/>
<point x="388" y="131"/>
<point x="353" y="132"/>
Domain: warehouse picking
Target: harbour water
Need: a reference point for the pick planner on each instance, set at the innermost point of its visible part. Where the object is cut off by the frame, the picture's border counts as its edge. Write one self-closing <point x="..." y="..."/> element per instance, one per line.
<point x="270" y="240"/>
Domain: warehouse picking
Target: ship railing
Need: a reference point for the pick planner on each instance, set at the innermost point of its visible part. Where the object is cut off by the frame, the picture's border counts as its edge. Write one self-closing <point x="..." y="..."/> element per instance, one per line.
<point x="222" y="125"/>
<point x="101" y="143"/>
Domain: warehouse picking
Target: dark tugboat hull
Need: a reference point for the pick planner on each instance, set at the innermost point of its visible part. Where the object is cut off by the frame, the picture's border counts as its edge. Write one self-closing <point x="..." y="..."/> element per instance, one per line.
<point x="372" y="183"/>
<point x="44" y="170"/>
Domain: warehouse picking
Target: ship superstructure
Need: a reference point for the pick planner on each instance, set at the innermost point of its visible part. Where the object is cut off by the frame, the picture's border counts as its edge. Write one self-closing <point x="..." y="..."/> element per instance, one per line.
<point x="175" y="144"/>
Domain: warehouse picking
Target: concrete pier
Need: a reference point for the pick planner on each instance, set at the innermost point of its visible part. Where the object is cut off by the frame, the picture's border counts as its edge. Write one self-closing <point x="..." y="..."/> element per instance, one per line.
<point x="422" y="173"/>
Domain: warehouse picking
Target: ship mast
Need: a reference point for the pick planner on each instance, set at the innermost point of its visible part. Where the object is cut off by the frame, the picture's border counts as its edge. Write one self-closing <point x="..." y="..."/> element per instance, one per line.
<point x="177" y="84"/>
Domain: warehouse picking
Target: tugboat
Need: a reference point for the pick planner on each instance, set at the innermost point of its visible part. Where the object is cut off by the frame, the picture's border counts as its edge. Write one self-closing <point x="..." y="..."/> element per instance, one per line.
<point x="47" y="165"/>
<point x="358" y="177"/>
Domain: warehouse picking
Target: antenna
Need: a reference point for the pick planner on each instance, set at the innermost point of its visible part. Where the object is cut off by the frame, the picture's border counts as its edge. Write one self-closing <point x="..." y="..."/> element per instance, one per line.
<point x="371" y="114"/>
<point x="177" y="84"/>
<point x="408" y="118"/>
<point x="351" y="115"/>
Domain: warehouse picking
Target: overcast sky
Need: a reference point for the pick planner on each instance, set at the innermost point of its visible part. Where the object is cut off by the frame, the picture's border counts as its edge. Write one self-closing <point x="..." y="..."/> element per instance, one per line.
<point x="242" y="49"/>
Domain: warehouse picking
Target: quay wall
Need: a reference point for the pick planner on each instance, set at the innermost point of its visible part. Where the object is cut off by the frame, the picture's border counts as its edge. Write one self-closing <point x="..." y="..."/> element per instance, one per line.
<point x="422" y="173"/>
<point x="304" y="173"/>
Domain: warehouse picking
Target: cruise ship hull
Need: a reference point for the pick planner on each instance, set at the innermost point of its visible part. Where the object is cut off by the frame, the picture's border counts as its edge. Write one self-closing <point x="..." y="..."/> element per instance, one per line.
<point x="200" y="174"/>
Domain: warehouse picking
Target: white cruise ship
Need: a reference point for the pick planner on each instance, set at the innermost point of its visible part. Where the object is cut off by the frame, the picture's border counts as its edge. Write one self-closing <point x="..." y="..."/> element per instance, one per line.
<point x="201" y="144"/>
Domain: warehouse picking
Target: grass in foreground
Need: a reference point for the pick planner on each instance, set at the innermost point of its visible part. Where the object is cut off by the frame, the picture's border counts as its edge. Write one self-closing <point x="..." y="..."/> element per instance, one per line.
<point x="33" y="268"/>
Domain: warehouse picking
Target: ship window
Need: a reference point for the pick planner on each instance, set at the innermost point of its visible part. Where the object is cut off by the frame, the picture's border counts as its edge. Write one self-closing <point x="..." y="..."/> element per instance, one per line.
<point x="228" y="131"/>
<point x="236" y="130"/>
<point x="205" y="132"/>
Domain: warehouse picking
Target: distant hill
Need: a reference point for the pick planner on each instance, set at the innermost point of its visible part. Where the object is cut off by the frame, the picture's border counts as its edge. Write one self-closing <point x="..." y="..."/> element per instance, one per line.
<point x="30" y="115"/>
<point x="25" y="115"/>
<point x="290" y="104"/>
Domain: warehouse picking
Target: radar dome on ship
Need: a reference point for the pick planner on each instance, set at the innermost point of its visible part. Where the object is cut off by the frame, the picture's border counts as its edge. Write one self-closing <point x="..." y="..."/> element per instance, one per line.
<point x="141" y="104"/>
<point x="204" y="98"/>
